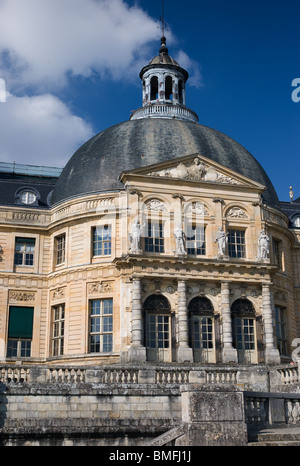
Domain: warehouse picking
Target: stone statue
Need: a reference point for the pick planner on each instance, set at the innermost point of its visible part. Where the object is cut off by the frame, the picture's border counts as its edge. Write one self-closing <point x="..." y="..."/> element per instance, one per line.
<point x="179" y="236"/>
<point x="221" y="239"/>
<point x="196" y="171"/>
<point x="135" y="235"/>
<point x="263" y="245"/>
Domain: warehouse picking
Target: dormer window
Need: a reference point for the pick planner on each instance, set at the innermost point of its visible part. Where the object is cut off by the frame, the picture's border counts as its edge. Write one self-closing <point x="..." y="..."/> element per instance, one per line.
<point x="296" y="221"/>
<point x="27" y="196"/>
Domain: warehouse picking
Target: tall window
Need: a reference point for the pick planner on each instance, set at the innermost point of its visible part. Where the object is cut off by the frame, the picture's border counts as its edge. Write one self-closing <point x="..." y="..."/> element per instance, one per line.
<point x="102" y="240"/>
<point x="280" y="320"/>
<point x="20" y="327"/>
<point x="243" y="330"/>
<point x="195" y="239"/>
<point x="154" y="242"/>
<point x="58" y="330"/>
<point x="201" y="329"/>
<point x="276" y="252"/>
<point x="101" y="325"/>
<point x="158" y="328"/>
<point x="154" y="88"/>
<point x="168" y="88"/>
<point x="236" y="243"/>
<point x="60" y="247"/>
<point x="24" y="251"/>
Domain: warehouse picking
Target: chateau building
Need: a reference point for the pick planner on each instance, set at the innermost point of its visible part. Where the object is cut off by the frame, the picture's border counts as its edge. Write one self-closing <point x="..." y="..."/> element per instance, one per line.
<point x="161" y="240"/>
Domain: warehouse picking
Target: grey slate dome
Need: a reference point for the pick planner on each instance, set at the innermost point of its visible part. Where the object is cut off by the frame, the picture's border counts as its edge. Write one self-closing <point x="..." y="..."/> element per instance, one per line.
<point x="96" y="166"/>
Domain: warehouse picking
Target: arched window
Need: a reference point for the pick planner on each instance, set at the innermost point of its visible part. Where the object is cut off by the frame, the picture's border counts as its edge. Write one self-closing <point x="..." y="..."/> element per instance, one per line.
<point x="158" y="339"/>
<point x="180" y="92"/>
<point x="168" y="88"/>
<point x="154" y="88"/>
<point x="243" y="330"/>
<point x="201" y="329"/>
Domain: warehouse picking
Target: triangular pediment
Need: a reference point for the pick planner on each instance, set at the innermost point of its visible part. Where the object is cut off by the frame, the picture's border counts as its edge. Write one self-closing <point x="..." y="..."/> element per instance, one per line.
<point x="195" y="168"/>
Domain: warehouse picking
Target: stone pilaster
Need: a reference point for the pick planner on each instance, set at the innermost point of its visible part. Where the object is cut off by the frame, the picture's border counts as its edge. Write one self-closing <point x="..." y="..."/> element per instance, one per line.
<point x="271" y="353"/>
<point x="229" y="354"/>
<point x="137" y="352"/>
<point x="184" y="352"/>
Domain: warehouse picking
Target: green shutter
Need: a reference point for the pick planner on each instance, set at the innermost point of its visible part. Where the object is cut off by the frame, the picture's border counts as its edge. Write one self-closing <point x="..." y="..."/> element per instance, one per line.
<point x="20" y="322"/>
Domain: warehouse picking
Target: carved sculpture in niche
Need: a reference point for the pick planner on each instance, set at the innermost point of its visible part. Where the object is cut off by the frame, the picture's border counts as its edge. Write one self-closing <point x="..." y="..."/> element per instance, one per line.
<point x="100" y="287"/>
<point x="180" y="239"/>
<point x="263" y="248"/>
<point x="135" y="236"/>
<point x="221" y="239"/>
<point x="236" y="212"/>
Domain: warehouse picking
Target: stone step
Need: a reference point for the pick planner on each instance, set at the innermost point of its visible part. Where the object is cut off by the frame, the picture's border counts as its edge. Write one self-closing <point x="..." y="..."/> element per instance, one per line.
<point x="288" y="436"/>
<point x="275" y="443"/>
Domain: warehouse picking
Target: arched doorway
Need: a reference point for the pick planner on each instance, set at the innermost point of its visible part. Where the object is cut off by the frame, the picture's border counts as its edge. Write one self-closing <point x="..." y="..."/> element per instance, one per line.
<point x="243" y="330"/>
<point x="158" y="334"/>
<point x="201" y="329"/>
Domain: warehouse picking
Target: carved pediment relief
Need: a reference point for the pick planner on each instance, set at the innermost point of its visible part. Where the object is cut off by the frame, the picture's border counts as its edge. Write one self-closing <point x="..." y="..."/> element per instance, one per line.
<point x="195" y="168"/>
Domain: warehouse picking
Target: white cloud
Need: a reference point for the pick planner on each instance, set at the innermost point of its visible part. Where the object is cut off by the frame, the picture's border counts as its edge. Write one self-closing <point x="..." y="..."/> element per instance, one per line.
<point x="43" y="40"/>
<point x="39" y="130"/>
<point x="42" y="43"/>
<point x="193" y="67"/>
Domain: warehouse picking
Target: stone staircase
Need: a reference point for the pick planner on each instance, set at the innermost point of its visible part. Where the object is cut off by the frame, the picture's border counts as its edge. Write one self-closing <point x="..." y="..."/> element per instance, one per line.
<point x="279" y="436"/>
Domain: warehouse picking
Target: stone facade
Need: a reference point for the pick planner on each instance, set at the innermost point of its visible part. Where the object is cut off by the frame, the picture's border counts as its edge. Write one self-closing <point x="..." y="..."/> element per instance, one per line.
<point x="128" y="279"/>
<point x="120" y="295"/>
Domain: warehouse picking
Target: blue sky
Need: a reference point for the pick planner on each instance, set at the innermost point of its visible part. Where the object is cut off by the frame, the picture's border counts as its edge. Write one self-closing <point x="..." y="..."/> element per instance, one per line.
<point x="71" y="70"/>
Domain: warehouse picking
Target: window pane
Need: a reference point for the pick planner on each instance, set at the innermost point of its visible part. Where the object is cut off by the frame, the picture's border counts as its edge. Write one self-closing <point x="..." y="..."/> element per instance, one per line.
<point x="101" y="325"/>
<point x="155" y="240"/>
<point x="24" y="251"/>
<point x="102" y="240"/>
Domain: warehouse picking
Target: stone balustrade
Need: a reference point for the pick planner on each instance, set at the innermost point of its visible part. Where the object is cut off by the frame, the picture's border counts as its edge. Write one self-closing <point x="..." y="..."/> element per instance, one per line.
<point x="256" y="378"/>
<point x="265" y="409"/>
<point x="164" y="111"/>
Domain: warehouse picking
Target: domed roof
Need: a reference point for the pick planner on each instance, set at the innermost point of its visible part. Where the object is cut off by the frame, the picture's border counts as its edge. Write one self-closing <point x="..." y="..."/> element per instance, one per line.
<point x="96" y="166"/>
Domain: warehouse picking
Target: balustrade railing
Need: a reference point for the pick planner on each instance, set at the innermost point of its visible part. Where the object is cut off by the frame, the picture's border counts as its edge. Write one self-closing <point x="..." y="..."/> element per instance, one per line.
<point x="277" y="379"/>
<point x="164" y="110"/>
<point x="263" y="409"/>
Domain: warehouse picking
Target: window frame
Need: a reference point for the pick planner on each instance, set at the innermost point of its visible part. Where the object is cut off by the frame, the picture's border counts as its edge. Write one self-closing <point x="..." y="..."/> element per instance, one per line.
<point x="20" y="331"/>
<point x="97" y="326"/>
<point x="106" y="244"/>
<point x="281" y="329"/>
<point x="60" y="251"/>
<point x="202" y="237"/>
<point x="25" y="252"/>
<point x="58" y="315"/>
<point x="155" y="243"/>
<point x="234" y="245"/>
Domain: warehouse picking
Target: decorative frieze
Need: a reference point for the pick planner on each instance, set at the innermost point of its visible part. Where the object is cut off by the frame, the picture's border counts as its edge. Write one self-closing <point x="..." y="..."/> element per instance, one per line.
<point x="21" y="296"/>
<point x="100" y="287"/>
<point x="58" y="293"/>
